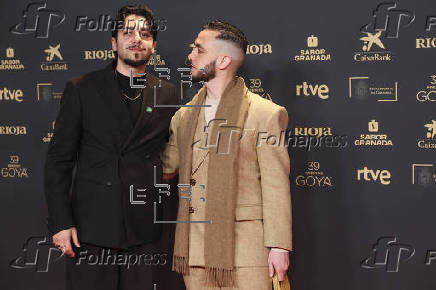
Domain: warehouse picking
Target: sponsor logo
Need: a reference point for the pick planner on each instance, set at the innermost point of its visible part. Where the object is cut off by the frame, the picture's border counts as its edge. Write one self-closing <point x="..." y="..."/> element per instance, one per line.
<point x="45" y="92"/>
<point x="428" y="94"/>
<point x="373" y="137"/>
<point x="362" y="89"/>
<point x="259" y="49"/>
<point x="11" y="63"/>
<point x="14" y="169"/>
<point x="305" y="89"/>
<point x="386" y="23"/>
<point x="429" y="142"/>
<point x="11" y="95"/>
<point x="13" y="130"/>
<point x="314" y="177"/>
<point x="378" y="176"/>
<point x="312" y="52"/>
<point x="54" y="59"/>
<point x="47" y="138"/>
<point x="423" y="174"/>
<point x="256" y="87"/>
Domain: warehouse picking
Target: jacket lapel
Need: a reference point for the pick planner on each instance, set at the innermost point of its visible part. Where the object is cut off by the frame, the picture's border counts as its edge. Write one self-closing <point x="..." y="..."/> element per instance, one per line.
<point x="110" y="94"/>
<point x="147" y="108"/>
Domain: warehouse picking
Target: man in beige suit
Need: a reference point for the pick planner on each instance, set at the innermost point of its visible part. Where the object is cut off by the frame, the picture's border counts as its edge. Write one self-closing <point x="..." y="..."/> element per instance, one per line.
<point x="234" y="219"/>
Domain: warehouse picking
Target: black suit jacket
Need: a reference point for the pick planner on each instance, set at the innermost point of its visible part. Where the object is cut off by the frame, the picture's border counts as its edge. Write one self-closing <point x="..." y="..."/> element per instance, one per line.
<point x="95" y="138"/>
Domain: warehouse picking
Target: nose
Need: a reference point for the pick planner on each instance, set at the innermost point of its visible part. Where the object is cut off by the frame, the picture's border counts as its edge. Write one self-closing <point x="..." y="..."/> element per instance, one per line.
<point x="190" y="56"/>
<point x="137" y="35"/>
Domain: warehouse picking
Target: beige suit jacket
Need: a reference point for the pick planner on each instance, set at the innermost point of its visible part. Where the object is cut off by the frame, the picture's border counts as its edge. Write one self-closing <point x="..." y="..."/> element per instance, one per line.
<point x="263" y="205"/>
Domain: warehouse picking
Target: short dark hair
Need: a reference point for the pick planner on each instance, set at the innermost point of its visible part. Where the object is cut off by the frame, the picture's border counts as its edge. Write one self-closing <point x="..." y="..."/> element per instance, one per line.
<point x="141" y="10"/>
<point x="228" y="32"/>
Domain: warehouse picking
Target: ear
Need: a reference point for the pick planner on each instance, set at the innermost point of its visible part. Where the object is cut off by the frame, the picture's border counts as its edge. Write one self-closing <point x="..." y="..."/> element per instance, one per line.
<point x="114" y="44"/>
<point x="223" y="62"/>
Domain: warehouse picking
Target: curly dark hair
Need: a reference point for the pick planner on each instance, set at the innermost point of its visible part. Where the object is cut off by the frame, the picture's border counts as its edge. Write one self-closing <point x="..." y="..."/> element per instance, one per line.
<point x="228" y="32"/>
<point x="141" y="10"/>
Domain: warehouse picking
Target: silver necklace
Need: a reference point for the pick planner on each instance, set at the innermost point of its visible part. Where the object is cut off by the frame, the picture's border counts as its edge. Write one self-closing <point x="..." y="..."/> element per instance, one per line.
<point x="132" y="99"/>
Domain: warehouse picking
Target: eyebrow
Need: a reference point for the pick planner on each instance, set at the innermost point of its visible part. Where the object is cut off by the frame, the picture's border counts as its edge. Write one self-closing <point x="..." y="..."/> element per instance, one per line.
<point x="198" y="45"/>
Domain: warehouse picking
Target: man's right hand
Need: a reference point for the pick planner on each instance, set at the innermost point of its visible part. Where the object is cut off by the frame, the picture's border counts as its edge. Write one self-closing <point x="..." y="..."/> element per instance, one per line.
<point x="62" y="240"/>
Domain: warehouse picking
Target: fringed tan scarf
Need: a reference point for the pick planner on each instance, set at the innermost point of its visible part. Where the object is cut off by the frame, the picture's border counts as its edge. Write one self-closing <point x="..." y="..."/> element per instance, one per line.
<point x="219" y="237"/>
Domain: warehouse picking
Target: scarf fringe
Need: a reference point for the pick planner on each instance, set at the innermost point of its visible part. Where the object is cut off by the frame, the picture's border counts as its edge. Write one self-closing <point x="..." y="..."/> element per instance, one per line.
<point x="181" y="265"/>
<point x="218" y="277"/>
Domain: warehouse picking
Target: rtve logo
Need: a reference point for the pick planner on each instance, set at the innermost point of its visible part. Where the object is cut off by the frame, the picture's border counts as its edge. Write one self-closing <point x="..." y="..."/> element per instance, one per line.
<point x="313" y="90"/>
<point x="382" y="176"/>
<point x="387" y="254"/>
<point x="11" y="95"/>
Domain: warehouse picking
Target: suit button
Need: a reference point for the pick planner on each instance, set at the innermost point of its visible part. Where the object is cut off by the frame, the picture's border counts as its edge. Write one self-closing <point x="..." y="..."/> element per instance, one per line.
<point x="109" y="183"/>
<point x="147" y="156"/>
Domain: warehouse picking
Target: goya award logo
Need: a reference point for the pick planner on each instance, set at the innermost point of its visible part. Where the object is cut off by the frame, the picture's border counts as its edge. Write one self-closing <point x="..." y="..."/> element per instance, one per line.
<point x="13" y="169"/>
<point x="313" y="177"/>
<point x="257" y="88"/>
<point x="427" y="94"/>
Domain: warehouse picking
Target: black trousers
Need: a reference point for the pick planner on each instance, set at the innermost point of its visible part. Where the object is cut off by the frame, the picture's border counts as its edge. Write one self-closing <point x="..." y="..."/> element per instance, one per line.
<point x="97" y="268"/>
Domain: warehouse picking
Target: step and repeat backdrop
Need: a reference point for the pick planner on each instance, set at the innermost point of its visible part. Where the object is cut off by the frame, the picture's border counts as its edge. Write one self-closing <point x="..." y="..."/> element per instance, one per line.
<point x="358" y="79"/>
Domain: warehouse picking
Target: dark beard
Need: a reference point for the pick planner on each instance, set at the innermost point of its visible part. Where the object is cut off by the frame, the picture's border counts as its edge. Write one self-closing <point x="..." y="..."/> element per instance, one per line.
<point x="135" y="63"/>
<point x="206" y="75"/>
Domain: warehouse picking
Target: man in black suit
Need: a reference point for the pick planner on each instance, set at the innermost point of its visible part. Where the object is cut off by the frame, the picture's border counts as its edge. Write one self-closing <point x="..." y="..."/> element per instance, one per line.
<point x="106" y="143"/>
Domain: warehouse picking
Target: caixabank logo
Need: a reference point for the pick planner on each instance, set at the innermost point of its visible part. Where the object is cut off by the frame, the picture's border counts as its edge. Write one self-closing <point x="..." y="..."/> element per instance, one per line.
<point x="312" y="52"/>
<point x="53" y="61"/>
<point x="314" y="177"/>
<point x="429" y="141"/>
<point x="386" y="22"/>
<point x="11" y="62"/>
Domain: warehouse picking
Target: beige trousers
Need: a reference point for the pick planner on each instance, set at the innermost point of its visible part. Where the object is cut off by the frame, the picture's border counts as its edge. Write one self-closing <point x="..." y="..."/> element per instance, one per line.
<point x="247" y="278"/>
